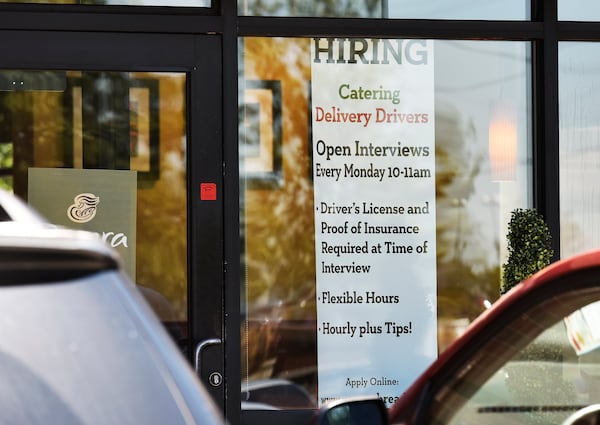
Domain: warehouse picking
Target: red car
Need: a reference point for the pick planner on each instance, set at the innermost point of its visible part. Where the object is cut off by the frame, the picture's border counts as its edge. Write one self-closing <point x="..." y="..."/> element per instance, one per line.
<point x="532" y="358"/>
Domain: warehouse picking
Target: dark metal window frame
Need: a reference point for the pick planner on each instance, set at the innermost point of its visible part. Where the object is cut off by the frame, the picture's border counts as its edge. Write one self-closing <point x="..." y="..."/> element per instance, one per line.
<point x="543" y="30"/>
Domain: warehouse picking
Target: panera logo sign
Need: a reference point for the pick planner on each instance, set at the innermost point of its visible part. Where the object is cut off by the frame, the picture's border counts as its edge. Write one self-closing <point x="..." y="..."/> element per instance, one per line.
<point x="83" y="210"/>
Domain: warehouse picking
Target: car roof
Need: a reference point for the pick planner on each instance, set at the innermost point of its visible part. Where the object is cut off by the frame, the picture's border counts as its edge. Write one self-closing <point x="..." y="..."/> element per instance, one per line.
<point x="33" y="249"/>
<point x="32" y="252"/>
<point x="13" y="208"/>
<point x="539" y="283"/>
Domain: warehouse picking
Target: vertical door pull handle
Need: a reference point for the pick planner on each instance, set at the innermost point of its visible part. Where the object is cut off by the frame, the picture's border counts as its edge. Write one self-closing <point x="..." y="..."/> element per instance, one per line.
<point x="200" y="348"/>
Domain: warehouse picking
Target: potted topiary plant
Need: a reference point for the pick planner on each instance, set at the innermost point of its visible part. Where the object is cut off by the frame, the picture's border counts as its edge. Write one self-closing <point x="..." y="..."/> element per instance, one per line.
<point x="531" y="376"/>
<point x="529" y="247"/>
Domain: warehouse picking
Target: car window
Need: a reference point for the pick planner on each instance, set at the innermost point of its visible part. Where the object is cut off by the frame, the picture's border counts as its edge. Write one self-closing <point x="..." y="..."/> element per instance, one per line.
<point x="543" y="384"/>
<point x="544" y="380"/>
<point x="4" y="215"/>
<point x="79" y="351"/>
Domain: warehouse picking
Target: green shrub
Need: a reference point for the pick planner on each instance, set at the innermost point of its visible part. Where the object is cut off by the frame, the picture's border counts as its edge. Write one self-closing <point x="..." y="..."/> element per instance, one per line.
<point x="529" y="247"/>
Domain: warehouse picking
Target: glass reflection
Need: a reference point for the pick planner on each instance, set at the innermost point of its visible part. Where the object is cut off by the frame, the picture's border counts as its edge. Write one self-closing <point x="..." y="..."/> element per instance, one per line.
<point x="331" y="9"/>
<point x="172" y="3"/>
<point x="113" y="121"/>
<point x="482" y="111"/>
<point x="579" y="82"/>
<point x="397" y="9"/>
<point x="578" y="10"/>
<point x="462" y="9"/>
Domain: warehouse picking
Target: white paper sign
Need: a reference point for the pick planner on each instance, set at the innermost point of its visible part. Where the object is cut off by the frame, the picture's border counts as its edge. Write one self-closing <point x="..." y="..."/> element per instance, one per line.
<point x="374" y="188"/>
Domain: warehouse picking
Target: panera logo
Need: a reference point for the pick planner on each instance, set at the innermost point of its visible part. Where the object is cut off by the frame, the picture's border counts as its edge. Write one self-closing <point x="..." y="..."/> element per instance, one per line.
<point x="83" y="208"/>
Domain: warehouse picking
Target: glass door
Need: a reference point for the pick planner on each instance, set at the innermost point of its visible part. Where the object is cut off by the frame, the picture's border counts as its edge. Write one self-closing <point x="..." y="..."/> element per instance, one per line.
<point x="98" y="132"/>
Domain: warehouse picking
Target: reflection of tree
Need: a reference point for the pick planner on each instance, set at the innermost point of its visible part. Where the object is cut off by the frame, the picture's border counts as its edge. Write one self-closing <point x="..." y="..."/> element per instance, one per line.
<point x="572" y="236"/>
<point x="323" y="8"/>
<point x="31" y="126"/>
<point x="161" y="214"/>
<point x="34" y="132"/>
<point x="6" y="163"/>
<point x="462" y="282"/>
<point x="279" y="224"/>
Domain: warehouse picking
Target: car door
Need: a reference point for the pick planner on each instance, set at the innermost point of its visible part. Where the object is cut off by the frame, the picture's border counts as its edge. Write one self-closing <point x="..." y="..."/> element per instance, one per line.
<point x="535" y="362"/>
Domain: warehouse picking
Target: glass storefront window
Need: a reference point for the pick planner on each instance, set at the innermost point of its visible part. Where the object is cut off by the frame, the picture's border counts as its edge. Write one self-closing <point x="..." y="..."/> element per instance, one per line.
<point x="172" y="3"/>
<point x="398" y="9"/>
<point x="578" y="10"/>
<point x="65" y="134"/>
<point x="474" y="108"/>
<point x="511" y="10"/>
<point x="579" y="127"/>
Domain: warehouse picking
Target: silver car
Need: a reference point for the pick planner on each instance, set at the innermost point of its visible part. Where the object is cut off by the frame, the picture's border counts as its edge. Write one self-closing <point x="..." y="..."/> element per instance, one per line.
<point x="78" y="343"/>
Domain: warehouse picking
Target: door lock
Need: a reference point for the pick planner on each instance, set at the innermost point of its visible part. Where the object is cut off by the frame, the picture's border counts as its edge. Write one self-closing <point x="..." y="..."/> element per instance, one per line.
<point x="215" y="379"/>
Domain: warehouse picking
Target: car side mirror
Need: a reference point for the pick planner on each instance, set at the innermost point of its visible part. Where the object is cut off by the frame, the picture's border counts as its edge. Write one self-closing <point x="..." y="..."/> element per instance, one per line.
<point x="589" y="415"/>
<point x="352" y="411"/>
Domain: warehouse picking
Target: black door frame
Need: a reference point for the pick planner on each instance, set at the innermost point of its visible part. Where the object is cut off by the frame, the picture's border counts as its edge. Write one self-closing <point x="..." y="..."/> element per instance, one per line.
<point x="200" y="57"/>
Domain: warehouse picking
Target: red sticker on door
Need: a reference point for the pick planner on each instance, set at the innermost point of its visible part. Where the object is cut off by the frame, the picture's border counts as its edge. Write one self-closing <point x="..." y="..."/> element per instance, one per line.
<point x="208" y="191"/>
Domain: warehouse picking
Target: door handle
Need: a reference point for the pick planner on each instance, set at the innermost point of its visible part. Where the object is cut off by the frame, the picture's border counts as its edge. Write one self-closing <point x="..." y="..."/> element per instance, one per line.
<point x="215" y="378"/>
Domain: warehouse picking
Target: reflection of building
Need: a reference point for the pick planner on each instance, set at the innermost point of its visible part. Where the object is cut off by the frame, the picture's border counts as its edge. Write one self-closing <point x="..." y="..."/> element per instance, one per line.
<point x="223" y="221"/>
